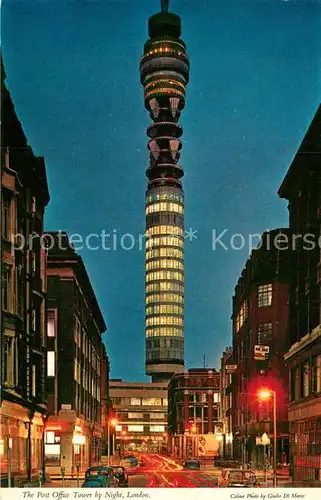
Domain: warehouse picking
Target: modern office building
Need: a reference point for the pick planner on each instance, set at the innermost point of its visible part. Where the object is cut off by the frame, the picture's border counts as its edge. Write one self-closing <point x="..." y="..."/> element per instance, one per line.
<point x="193" y="410"/>
<point x="227" y="370"/>
<point x="164" y="70"/>
<point x="24" y="196"/>
<point x="141" y="412"/>
<point x="260" y="340"/>
<point x="76" y="362"/>
<point x="302" y="188"/>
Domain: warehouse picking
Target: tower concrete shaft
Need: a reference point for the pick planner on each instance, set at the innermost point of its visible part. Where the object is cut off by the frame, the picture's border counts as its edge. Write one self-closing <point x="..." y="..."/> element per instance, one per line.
<point x="164" y="70"/>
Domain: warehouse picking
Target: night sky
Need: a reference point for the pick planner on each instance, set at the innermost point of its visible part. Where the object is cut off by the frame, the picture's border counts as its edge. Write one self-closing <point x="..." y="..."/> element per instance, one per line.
<point x="73" y="72"/>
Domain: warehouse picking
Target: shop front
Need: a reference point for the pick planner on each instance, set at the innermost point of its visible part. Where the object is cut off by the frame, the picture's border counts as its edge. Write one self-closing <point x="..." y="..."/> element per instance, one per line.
<point x="21" y="442"/>
<point x="71" y="444"/>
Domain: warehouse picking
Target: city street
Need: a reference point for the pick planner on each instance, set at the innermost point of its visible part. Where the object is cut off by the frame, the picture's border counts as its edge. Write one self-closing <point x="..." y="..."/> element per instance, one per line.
<point x="158" y="471"/>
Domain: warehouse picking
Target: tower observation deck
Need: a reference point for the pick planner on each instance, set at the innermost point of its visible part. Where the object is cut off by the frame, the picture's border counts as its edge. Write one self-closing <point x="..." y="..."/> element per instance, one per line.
<point x="164" y="71"/>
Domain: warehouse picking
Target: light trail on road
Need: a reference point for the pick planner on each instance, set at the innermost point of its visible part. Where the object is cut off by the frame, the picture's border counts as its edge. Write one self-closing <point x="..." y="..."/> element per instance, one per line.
<point x="163" y="472"/>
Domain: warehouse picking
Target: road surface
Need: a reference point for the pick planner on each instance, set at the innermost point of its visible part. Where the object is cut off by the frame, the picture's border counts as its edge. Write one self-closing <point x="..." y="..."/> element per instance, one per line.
<point x="162" y="472"/>
<point x="157" y="471"/>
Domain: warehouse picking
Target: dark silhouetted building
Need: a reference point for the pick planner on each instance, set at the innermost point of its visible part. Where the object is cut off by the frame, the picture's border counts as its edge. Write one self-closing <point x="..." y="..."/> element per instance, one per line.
<point x="260" y="327"/>
<point x="77" y="366"/>
<point x="24" y="196"/>
<point x="164" y="70"/>
<point x="302" y="187"/>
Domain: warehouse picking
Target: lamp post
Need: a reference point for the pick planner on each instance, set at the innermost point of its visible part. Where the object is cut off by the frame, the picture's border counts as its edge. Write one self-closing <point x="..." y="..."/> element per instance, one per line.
<point x="194" y="432"/>
<point x="265" y="441"/>
<point x="9" y="460"/>
<point x="265" y="394"/>
<point x="110" y="423"/>
<point x="122" y="444"/>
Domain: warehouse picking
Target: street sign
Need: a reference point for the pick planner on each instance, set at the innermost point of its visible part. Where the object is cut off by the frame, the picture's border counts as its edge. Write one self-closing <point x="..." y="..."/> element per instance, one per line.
<point x="230" y="368"/>
<point x="261" y="352"/>
<point x="66" y="407"/>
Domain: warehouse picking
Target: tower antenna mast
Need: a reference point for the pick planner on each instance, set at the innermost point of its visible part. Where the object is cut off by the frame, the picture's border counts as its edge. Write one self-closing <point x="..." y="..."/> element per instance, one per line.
<point x="165" y="5"/>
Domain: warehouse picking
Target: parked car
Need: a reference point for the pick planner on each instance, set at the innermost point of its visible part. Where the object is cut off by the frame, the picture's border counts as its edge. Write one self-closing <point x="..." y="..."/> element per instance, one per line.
<point x="101" y="474"/>
<point x="121" y="474"/>
<point x="192" y="464"/>
<point x="236" y="478"/>
<point x="226" y="463"/>
<point x="129" y="463"/>
<point x="98" y="482"/>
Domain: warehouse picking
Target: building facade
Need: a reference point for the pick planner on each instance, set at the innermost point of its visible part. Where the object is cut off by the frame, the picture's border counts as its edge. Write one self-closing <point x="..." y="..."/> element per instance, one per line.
<point x="24" y="196"/>
<point x="164" y="70"/>
<point x="141" y="413"/>
<point x="76" y="362"/>
<point x="193" y="410"/>
<point x="227" y="370"/>
<point x="260" y="327"/>
<point x="302" y="188"/>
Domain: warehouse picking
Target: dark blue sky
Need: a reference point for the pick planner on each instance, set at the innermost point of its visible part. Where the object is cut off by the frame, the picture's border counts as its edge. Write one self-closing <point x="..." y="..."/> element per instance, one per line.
<point x="72" y="69"/>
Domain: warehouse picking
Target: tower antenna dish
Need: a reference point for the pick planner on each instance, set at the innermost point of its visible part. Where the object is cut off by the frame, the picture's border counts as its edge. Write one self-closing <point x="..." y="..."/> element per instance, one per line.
<point x="164" y="5"/>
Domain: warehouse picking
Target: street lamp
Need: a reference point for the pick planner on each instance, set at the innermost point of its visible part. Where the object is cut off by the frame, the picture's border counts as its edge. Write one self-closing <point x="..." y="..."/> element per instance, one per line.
<point x="110" y="423"/>
<point x="194" y="432"/>
<point x="122" y="445"/>
<point x="9" y="460"/>
<point x="265" y="394"/>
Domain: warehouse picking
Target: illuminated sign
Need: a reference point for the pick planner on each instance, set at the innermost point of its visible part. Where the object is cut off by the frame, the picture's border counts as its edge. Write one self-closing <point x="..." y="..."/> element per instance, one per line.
<point x="261" y="352"/>
<point x="230" y="368"/>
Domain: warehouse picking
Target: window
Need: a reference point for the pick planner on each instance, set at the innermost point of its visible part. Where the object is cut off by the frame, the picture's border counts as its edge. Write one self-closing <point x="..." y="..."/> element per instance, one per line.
<point x="135" y="428"/>
<point x="305" y="379"/>
<point x="51" y="363"/>
<point x="5" y="288"/>
<point x="52" y="448"/>
<point x="242" y="350"/>
<point x="165" y="309"/>
<point x="34" y="381"/>
<point x="77" y="372"/>
<point x="164" y="264"/>
<point x="136" y="415"/>
<point x="135" y="401"/>
<point x="264" y="334"/>
<point x="157" y="428"/>
<point x="118" y="428"/>
<point x="297" y="383"/>
<point x="292" y="384"/>
<point x="6" y="216"/>
<point x="152" y="402"/>
<point x="170" y="331"/>
<point x="51" y="323"/>
<point x="241" y="317"/>
<point x="165" y="402"/>
<point x="157" y="416"/>
<point x="318" y="374"/>
<point x="9" y="361"/>
<point x="164" y="206"/>
<point x="264" y="295"/>
<point x="216" y="397"/>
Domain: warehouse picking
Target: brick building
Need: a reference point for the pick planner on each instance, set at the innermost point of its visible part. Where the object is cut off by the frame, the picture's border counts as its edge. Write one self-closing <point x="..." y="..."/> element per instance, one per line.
<point x="77" y="366"/>
<point x="24" y="196"/>
<point x="302" y="188"/>
<point x="193" y="409"/>
<point x="260" y="326"/>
